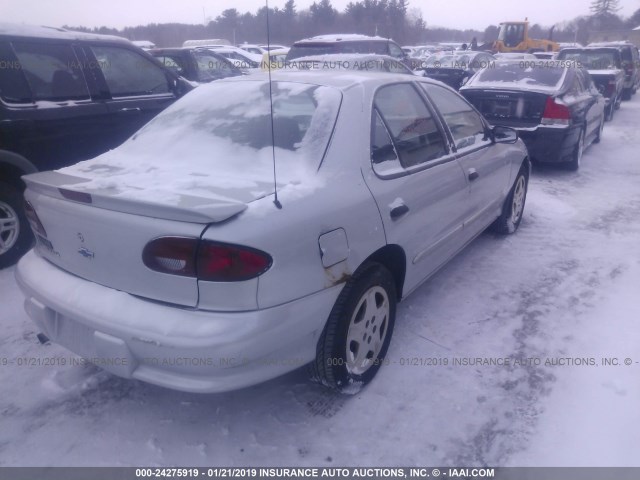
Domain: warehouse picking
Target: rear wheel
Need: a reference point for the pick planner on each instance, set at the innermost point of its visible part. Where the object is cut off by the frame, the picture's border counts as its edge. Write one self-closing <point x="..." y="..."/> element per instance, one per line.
<point x="610" y="110"/>
<point x="15" y="233"/>
<point x="513" y="207"/>
<point x="356" y="337"/>
<point x="626" y="94"/>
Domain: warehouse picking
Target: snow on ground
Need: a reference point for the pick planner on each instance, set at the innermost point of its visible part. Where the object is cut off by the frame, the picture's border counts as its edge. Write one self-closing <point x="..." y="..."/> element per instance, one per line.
<point x="564" y="287"/>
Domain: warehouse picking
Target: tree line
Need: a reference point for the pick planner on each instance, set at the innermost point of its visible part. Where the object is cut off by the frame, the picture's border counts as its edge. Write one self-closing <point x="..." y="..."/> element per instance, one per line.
<point x="386" y="18"/>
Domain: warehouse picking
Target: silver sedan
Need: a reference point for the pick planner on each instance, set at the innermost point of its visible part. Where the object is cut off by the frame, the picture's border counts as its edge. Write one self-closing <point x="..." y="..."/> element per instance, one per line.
<point x="255" y="227"/>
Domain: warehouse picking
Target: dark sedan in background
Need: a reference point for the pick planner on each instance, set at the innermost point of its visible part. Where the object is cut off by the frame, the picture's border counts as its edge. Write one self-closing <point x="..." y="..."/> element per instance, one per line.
<point x="557" y="109"/>
<point x="604" y="65"/>
<point x="196" y="64"/>
<point x="457" y="68"/>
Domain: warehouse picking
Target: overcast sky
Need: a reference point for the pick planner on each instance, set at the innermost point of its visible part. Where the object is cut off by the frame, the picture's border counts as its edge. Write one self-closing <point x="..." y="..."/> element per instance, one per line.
<point x="120" y="13"/>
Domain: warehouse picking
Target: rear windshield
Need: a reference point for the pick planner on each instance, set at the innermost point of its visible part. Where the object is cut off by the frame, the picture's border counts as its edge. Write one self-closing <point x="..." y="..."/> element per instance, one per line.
<point x="592" y="59"/>
<point x="309" y="49"/>
<point x="223" y="131"/>
<point x="535" y="75"/>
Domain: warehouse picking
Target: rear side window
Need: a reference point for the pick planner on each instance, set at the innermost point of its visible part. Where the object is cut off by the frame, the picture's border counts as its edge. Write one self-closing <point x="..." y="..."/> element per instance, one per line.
<point x="395" y="51"/>
<point x="172" y="63"/>
<point x="52" y="71"/>
<point x="13" y="85"/>
<point x="413" y="129"/>
<point x="127" y="73"/>
<point x="465" y="124"/>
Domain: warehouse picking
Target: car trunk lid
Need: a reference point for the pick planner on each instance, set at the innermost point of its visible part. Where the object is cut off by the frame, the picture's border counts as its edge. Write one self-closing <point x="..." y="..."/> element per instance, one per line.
<point x="509" y="107"/>
<point x="100" y="235"/>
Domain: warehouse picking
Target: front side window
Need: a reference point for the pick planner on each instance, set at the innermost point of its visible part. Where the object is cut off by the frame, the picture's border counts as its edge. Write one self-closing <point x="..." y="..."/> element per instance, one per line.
<point x="466" y="126"/>
<point x="127" y="73"/>
<point x="53" y="71"/>
<point x="414" y="132"/>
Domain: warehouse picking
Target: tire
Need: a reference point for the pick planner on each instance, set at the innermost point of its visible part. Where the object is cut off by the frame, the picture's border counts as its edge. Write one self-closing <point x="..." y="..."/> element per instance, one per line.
<point x="513" y="207"/>
<point x="626" y="94"/>
<point x="576" y="159"/>
<point x="345" y="361"/>
<point x="15" y="234"/>
<point x="600" y="129"/>
<point x="609" y="111"/>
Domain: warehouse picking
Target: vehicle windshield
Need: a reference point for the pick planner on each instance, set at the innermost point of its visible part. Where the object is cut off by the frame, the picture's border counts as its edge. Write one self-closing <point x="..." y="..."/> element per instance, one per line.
<point x="527" y="74"/>
<point x="592" y="60"/>
<point x="221" y="133"/>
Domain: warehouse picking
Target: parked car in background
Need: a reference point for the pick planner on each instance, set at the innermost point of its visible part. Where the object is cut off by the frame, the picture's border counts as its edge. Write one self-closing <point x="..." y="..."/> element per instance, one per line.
<point x="239" y="57"/>
<point x="345" y="43"/>
<point x="605" y="68"/>
<point x="515" y="56"/>
<point x="545" y="55"/>
<point x="144" y="44"/>
<point x="558" y="111"/>
<point x="381" y="179"/>
<point x="630" y="64"/>
<point x="196" y="64"/>
<point x="273" y="46"/>
<point x="274" y="59"/>
<point x="254" y="49"/>
<point x="457" y="68"/>
<point x="67" y="96"/>
<point x="352" y="62"/>
<point x="207" y="42"/>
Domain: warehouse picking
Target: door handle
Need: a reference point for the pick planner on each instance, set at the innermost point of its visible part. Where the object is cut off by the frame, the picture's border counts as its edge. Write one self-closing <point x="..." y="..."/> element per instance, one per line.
<point x="473" y="174"/>
<point x="399" y="211"/>
<point x="129" y="110"/>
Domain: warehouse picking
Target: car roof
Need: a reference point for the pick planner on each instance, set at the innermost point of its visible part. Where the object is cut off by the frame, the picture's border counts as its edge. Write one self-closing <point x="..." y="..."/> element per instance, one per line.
<point x="613" y="48"/>
<point x="619" y="43"/>
<point x="35" y="31"/>
<point x="341" y="37"/>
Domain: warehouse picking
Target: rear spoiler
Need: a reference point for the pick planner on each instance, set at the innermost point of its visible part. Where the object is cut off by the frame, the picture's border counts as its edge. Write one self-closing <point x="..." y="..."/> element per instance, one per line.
<point x="190" y="208"/>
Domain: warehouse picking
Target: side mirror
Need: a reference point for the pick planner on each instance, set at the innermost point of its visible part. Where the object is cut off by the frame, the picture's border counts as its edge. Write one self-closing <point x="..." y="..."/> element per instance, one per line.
<point x="504" y="134"/>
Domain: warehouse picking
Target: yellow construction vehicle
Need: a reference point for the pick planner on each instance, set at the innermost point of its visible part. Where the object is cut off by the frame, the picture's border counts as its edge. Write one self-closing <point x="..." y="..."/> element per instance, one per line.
<point x="514" y="37"/>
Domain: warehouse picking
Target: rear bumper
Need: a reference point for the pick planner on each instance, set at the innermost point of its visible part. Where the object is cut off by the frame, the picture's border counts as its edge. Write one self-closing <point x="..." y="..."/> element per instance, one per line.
<point x="550" y="144"/>
<point x="183" y="349"/>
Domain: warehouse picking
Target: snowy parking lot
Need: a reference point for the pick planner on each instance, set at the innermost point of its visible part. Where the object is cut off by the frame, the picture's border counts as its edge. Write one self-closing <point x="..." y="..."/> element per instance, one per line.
<point x="523" y="351"/>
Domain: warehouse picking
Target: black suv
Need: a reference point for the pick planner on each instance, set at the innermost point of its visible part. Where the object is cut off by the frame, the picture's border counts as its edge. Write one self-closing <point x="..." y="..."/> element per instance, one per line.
<point x="65" y="97"/>
<point x="196" y="64"/>
<point x="630" y="64"/>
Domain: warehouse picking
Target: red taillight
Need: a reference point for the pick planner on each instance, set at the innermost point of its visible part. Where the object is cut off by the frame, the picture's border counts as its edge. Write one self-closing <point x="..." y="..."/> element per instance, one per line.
<point x="34" y="221"/>
<point x="205" y="260"/>
<point x="173" y="255"/>
<point x="220" y="262"/>
<point x="555" y="113"/>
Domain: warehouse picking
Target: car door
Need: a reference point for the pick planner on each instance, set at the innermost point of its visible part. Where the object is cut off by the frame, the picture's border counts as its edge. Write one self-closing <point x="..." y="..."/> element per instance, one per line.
<point x="587" y="104"/>
<point x="136" y="88"/>
<point x="486" y="169"/>
<point x="416" y="180"/>
<point x="55" y="121"/>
